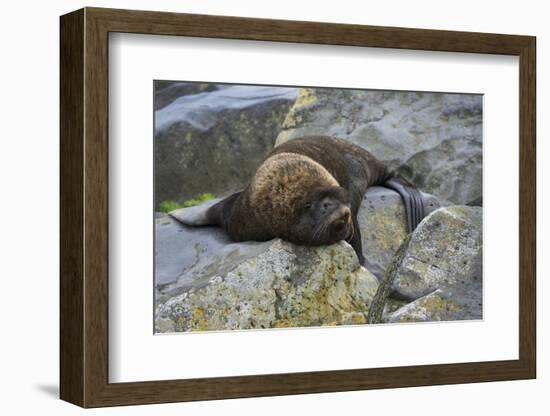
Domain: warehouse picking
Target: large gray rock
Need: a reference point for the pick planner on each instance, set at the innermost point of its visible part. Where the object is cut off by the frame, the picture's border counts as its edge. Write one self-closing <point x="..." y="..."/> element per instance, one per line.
<point x="281" y="285"/>
<point x="166" y="92"/>
<point x="451" y="169"/>
<point x="434" y="138"/>
<point x="438" y="305"/>
<point x="213" y="141"/>
<point x="178" y="248"/>
<point x="441" y="269"/>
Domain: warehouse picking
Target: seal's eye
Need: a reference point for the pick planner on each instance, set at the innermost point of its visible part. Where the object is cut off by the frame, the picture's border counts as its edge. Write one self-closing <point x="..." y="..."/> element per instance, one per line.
<point x="308" y="206"/>
<point x="327" y="206"/>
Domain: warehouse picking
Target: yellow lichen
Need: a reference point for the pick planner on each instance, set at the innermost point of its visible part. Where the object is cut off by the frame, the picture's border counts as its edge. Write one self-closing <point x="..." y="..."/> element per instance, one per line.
<point x="438" y="308"/>
<point x="358" y="319"/>
<point x="199" y="321"/>
<point x="437" y="303"/>
<point x="284" y="323"/>
<point x="284" y="136"/>
<point x="389" y="233"/>
<point x="305" y="98"/>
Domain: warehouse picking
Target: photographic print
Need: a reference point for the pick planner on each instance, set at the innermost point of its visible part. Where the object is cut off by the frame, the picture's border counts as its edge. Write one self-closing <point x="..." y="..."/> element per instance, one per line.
<point x="295" y="206"/>
<point x="341" y="199"/>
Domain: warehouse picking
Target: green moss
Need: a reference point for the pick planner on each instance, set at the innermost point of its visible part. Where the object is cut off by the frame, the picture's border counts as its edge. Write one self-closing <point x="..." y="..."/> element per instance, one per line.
<point x="167" y="206"/>
<point x="199" y="199"/>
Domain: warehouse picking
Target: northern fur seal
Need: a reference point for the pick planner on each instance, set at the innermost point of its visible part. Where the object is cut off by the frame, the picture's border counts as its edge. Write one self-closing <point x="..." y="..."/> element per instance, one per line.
<point x="307" y="191"/>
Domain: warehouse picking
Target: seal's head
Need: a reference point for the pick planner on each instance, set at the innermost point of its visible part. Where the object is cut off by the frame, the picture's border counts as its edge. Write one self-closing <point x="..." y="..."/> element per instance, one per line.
<point x="299" y="201"/>
<point x="324" y="218"/>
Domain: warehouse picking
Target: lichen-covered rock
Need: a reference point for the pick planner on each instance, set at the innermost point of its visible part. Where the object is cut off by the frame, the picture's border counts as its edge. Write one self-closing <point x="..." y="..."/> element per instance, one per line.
<point x="282" y="285"/>
<point x="442" y="267"/>
<point x="436" y="306"/>
<point x="445" y="250"/>
<point x="383" y="225"/>
<point x="434" y="138"/>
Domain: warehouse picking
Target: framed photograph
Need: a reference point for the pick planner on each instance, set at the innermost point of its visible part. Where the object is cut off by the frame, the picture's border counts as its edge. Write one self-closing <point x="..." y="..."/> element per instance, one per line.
<point x="255" y="207"/>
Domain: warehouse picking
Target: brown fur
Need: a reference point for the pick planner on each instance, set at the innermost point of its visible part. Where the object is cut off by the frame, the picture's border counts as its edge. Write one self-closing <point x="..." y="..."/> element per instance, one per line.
<point x="282" y="182"/>
<point x="294" y="184"/>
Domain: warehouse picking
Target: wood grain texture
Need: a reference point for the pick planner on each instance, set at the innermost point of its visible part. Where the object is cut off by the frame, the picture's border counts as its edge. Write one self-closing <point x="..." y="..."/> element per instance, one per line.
<point x="527" y="208"/>
<point x="71" y="208"/>
<point x="162" y="23"/>
<point x="96" y="218"/>
<point x="84" y="207"/>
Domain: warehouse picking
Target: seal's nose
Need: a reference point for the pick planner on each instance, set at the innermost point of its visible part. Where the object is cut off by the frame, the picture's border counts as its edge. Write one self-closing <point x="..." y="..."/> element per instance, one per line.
<point x="346" y="216"/>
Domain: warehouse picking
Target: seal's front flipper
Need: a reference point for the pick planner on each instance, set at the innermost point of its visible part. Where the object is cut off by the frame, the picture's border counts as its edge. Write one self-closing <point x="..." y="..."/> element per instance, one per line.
<point x="412" y="198"/>
<point x="197" y="215"/>
<point x="355" y="241"/>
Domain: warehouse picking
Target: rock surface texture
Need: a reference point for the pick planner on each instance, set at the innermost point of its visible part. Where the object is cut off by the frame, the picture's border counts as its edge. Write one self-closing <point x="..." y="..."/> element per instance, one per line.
<point x="213" y="141"/>
<point x="433" y="139"/>
<point x="441" y="271"/>
<point x="384" y="226"/>
<point x="208" y="282"/>
<point x="282" y="285"/>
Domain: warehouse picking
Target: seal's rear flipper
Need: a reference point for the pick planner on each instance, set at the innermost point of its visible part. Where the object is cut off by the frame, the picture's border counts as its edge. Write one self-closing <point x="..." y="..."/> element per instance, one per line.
<point x="197" y="215"/>
<point x="412" y="198"/>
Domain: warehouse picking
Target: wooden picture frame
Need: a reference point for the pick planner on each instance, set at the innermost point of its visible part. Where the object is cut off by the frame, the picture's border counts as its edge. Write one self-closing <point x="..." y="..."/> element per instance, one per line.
<point x="84" y="207"/>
